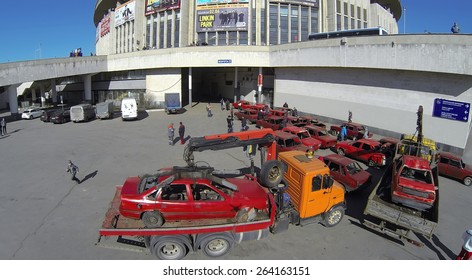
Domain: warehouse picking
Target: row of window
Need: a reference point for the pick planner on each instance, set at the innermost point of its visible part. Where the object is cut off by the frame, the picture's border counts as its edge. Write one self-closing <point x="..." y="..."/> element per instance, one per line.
<point x="349" y="16"/>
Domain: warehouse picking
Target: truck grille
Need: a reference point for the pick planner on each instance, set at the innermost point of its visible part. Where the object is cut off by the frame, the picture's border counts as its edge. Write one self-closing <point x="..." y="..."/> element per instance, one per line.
<point x="415" y="192"/>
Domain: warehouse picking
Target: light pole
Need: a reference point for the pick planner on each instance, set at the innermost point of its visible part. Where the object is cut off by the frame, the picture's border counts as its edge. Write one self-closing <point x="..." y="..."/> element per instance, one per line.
<point x="404" y="20"/>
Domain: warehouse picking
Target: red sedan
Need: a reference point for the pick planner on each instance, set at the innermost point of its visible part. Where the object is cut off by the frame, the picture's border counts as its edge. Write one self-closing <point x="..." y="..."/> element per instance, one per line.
<point x="366" y="150"/>
<point x="244" y="104"/>
<point x="322" y="135"/>
<point x="347" y="172"/>
<point x="312" y="143"/>
<point x="155" y="199"/>
<point x="249" y="114"/>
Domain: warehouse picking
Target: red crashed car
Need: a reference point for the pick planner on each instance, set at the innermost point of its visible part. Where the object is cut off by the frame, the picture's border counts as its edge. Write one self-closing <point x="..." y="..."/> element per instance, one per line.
<point x="366" y="150"/>
<point x="347" y="172"/>
<point x="273" y="122"/>
<point x="322" y="135"/>
<point x="305" y="137"/>
<point x="166" y="196"/>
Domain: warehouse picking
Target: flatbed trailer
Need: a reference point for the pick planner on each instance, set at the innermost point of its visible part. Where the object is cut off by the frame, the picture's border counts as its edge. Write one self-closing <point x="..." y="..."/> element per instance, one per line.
<point x="215" y="237"/>
<point x="395" y="220"/>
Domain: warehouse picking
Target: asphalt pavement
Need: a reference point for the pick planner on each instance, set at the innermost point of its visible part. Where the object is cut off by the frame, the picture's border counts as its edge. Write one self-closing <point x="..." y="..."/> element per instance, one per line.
<point x="44" y="215"/>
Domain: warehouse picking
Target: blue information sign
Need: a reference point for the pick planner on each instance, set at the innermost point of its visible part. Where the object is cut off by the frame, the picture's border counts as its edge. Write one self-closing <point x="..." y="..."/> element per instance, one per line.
<point x="452" y="110"/>
<point x="220" y="61"/>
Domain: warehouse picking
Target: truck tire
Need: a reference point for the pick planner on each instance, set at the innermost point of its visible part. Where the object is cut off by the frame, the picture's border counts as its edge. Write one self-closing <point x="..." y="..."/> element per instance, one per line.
<point x="169" y="249"/>
<point x="468" y="181"/>
<point x="272" y="173"/>
<point x="217" y="245"/>
<point x="333" y="217"/>
<point x="341" y="152"/>
<point x="281" y="187"/>
<point x="152" y="219"/>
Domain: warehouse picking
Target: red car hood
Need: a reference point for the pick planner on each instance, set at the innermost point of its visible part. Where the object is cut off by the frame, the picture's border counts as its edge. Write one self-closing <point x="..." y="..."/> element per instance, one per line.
<point x="361" y="177"/>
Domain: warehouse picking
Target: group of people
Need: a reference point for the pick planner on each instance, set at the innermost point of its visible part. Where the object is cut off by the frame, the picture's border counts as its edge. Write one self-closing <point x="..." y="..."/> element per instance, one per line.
<point x="3" y="127"/>
<point x="171" y="130"/>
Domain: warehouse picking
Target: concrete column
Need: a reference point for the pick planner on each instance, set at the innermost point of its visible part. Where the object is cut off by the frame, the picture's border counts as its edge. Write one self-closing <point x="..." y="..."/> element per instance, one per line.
<point x="43" y="95"/>
<point x="53" y="91"/>
<point x="259" y="88"/>
<point x="235" y="92"/>
<point x="33" y="95"/>
<point x="13" y="99"/>
<point x="190" y="86"/>
<point x="88" y="88"/>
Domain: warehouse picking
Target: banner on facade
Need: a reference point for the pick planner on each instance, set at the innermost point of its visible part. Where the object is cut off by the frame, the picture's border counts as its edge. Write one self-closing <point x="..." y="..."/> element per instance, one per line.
<point x="231" y="17"/>
<point x="125" y="13"/>
<point x="154" y="6"/>
<point x="105" y="25"/>
<point x="211" y="2"/>
<point x="313" y="3"/>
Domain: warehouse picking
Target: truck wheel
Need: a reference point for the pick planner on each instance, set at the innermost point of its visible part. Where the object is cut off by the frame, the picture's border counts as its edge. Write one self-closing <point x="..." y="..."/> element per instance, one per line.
<point x="169" y="249"/>
<point x="217" y="245"/>
<point x="152" y="219"/>
<point x="282" y="186"/>
<point x="333" y="217"/>
<point x="272" y="173"/>
<point x="341" y="152"/>
<point x="467" y="181"/>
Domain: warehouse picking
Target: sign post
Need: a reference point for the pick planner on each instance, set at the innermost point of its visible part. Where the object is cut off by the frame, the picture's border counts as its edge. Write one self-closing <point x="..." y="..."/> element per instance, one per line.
<point x="451" y="110"/>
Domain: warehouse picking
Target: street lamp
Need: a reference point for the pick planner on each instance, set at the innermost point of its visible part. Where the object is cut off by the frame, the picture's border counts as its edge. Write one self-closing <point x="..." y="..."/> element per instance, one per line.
<point x="404" y="20"/>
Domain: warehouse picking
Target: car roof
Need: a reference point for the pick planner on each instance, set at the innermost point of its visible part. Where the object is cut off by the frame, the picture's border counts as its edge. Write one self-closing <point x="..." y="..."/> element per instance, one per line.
<point x="293" y="128"/>
<point x="368" y="141"/>
<point x="284" y="135"/>
<point x="450" y="155"/>
<point x="338" y="159"/>
<point x="315" y="127"/>
<point x="416" y="162"/>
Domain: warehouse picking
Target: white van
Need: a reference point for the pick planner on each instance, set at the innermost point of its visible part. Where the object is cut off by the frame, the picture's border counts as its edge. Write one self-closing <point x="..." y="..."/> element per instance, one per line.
<point x="129" y="109"/>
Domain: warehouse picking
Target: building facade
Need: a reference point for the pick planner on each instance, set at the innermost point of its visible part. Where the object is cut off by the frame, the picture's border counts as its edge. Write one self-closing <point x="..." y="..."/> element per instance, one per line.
<point x="135" y="25"/>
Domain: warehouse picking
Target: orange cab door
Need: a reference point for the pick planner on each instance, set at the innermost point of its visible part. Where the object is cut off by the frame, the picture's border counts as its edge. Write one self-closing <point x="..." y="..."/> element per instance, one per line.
<point x="317" y="198"/>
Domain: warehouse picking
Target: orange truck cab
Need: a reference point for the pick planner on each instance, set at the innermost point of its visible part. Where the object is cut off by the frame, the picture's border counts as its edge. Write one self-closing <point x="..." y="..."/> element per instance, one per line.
<point x="315" y="196"/>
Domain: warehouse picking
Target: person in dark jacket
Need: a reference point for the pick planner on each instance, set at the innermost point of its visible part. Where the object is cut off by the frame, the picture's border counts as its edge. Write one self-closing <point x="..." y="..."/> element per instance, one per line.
<point x="243" y="122"/>
<point x="73" y="169"/>
<point x="182" y="133"/>
<point x="229" y="120"/>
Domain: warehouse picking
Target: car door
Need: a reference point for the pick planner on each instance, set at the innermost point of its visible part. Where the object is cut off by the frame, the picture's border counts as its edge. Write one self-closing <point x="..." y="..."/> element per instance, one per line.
<point x="365" y="152"/>
<point x="454" y="169"/>
<point x="355" y="150"/>
<point x="208" y="202"/>
<point x="174" y="202"/>
<point x="318" y="197"/>
<point x="443" y="165"/>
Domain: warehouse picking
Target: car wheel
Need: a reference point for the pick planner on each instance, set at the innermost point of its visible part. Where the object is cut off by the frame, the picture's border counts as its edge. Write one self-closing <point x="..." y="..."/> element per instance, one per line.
<point x="341" y="152"/>
<point x="169" y="249"/>
<point x="31" y="117"/>
<point x="467" y="181"/>
<point x="272" y="173"/>
<point x="217" y="245"/>
<point x="371" y="163"/>
<point x="333" y="217"/>
<point x="152" y="219"/>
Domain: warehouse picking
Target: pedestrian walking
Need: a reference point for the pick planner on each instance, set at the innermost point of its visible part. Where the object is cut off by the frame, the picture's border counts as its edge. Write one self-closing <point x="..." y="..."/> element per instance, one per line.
<point x="343" y="133"/>
<point x="222" y="103"/>
<point x="285" y="120"/>
<point x="208" y="108"/>
<point x="228" y="105"/>
<point x="366" y="132"/>
<point x="243" y="122"/>
<point x="260" y="114"/>
<point x="73" y="170"/>
<point x="170" y="133"/>
<point x="3" y="127"/>
<point x="295" y="112"/>
<point x="349" y="118"/>
<point x="466" y="251"/>
<point x="182" y="133"/>
<point x="229" y="120"/>
<point x="285" y="105"/>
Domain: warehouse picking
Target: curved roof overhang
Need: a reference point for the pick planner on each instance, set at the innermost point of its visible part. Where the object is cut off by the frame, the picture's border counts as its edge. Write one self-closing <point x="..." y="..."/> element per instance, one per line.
<point x="395" y="7"/>
<point x="101" y="8"/>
